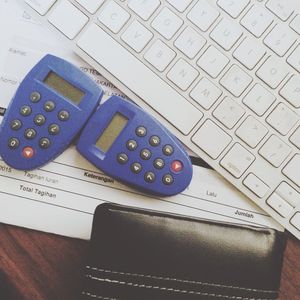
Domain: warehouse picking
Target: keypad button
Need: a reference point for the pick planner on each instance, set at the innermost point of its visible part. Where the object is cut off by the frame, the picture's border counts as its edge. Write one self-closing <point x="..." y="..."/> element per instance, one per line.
<point x="15" y="124"/>
<point x="44" y="143"/>
<point x="28" y="152"/>
<point x="154" y="140"/>
<point x="168" y="150"/>
<point x="63" y="115"/>
<point x="49" y="106"/>
<point x="30" y="133"/>
<point x="158" y="163"/>
<point x="39" y="120"/>
<point x="25" y="110"/>
<point x="141" y="131"/>
<point x="136" y="168"/>
<point x="176" y="166"/>
<point x="168" y="179"/>
<point x="35" y="97"/>
<point x="54" y="129"/>
<point x="149" y="177"/>
<point x="145" y="154"/>
<point x="13" y="143"/>
<point x="131" y="145"/>
<point x="122" y="158"/>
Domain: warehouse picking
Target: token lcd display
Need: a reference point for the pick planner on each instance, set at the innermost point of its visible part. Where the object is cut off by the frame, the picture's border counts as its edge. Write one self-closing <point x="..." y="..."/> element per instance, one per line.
<point x="64" y="88"/>
<point x="111" y="132"/>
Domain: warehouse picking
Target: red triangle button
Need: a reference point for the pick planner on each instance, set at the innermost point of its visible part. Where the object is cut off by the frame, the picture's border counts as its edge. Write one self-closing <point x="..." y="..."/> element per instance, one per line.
<point x="28" y="152"/>
<point x="176" y="166"/>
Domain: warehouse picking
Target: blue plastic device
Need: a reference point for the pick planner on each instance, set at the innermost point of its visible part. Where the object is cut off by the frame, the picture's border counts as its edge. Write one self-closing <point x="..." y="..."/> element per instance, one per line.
<point x="127" y="143"/>
<point x="49" y="109"/>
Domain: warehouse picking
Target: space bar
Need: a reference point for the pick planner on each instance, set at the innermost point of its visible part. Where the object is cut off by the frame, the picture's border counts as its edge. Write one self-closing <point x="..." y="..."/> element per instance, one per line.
<point x="139" y="78"/>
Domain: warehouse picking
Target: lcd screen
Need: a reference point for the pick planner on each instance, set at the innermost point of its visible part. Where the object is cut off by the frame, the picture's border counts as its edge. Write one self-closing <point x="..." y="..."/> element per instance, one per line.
<point x="111" y="132"/>
<point x="64" y="88"/>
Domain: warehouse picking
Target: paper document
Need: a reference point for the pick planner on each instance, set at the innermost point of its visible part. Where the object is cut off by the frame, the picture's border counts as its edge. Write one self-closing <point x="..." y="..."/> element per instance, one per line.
<point x="61" y="196"/>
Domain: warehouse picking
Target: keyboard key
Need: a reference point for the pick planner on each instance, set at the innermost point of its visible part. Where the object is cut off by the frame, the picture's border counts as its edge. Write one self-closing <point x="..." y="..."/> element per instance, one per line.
<point x="205" y="93"/>
<point x="144" y="8"/>
<point x="259" y="99"/>
<point x="249" y="52"/>
<point x="280" y="39"/>
<point x="41" y="6"/>
<point x="228" y="112"/>
<point x="212" y="139"/>
<point x="256" y="185"/>
<point x="180" y="5"/>
<point x="291" y="170"/>
<point x="90" y="6"/>
<point x="291" y="91"/>
<point x="190" y="42"/>
<point x="236" y="80"/>
<point x="182" y="74"/>
<point x="67" y="18"/>
<point x="295" y="138"/>
<point x="272" y="72"/>
<point x="280" y="205"/>
<point x="213" y="61"/>
<point x="295" y="24"/>
<point x="184" y="117"/>
<point x="289" y="194"/>
<point x="113" y="16"/>
<point x="251" y="132"/>
<point x="226" y="33"/>
<point x="137" y="36"/>
<point x="275" y="151"/>
<point x="282" y="118"/>
<point x="203" y="15"/>
<point x="167" y="23"/>
<point x="294" y="60"/>
<point x="257" y="20"/>
<point x="237" y="160"/>
<point x="295" y="220"/>
<point x="282" y="9"/>
<point x="233" y="7"/>
<point x="159" y="55"/>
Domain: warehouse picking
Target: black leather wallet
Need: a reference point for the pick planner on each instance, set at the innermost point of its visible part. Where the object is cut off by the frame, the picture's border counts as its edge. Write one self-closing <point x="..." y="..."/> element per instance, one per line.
<point x="141" y="255"/>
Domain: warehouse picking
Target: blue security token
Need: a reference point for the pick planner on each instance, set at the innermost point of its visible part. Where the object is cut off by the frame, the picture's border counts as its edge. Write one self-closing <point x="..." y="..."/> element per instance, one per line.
<point x="49" y="109"/>
<point x="130" y="145"/>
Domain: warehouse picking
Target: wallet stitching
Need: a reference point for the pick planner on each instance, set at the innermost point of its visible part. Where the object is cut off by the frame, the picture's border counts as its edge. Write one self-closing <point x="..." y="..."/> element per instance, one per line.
<point x="183" y="281"/>
<point x="155" y="287"/>
<point x="97" y="296"/>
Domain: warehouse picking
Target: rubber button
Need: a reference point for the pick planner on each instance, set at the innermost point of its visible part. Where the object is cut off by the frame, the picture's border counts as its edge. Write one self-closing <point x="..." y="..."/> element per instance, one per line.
<point x="25" y="110"/>
<point x="149" y="177"/>
<point x="13" y="143"/>
<point x="168" y="150"/>
<point x="136" y="168"/>
<point x="154" y="140"/>
<point x="122" y="158"/>
<point x="39" y="120"/>
<point x="63" y="115"/>
<point x="131" y="145"/>
<point x="168" y="179"/>
<point x="54" y="129"/>
<point x="15" y="125"/>
<point x="49" y="106"/>
<point x="141" y="131"/>
<point x="35" y="97"/>
<point x="28" y="152"/>
<point x="176" y="166"/>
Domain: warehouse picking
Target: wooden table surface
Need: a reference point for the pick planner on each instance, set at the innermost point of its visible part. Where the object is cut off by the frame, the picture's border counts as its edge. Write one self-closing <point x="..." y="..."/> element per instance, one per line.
<point x="36" y="265"/>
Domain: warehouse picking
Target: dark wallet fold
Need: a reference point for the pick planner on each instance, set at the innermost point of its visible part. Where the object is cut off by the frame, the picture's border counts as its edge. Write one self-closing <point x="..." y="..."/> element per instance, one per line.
<point x="140" y="254"/>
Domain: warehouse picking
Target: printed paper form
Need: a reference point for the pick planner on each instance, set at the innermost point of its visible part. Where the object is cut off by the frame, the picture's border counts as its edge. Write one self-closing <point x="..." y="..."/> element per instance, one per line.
<point x="61" y="197"/>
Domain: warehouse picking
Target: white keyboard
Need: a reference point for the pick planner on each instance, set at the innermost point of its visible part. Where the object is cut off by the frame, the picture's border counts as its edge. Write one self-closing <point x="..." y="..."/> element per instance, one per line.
<point x="221" y="75"/>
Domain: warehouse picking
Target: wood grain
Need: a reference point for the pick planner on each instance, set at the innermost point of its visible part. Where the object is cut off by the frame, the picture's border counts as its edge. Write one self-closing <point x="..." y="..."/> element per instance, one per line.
<point x="41" y="266"/>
